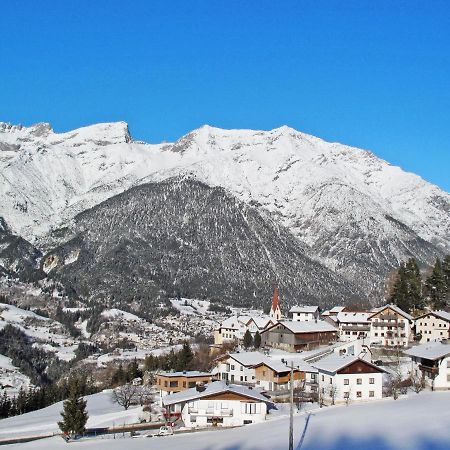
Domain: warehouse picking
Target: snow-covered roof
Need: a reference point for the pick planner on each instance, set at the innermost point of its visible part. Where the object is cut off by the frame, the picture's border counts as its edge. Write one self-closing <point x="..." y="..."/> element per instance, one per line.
<point x="230" y="322"/>
<point x="252" y="359"/>
<point x="187" y="374"/>
<point x="441" y="314"/>
<point x="248" y="358"/>
<point x="217" y="387"/>
<point x="260" y="321"/>
<point x="334" y="362"/>
<point x="430" y="350"/>
<point x="394" y="308"/>
<point x="307" y="309"/>
<point x="308" y="327"/>
<point x="353" y="317"/>
<point x="336" y="309"/>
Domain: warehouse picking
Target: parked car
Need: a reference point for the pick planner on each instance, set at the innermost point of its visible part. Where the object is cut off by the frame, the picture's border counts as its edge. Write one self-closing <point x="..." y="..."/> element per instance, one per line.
<point x="163" y="431"/>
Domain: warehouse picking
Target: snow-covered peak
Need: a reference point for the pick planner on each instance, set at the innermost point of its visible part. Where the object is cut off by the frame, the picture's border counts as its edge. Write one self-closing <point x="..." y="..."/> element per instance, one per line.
<point x="49" y="177"/>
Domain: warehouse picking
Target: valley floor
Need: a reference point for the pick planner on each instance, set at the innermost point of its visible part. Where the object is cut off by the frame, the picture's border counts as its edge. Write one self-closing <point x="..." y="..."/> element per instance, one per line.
<point x="418" y="422"/>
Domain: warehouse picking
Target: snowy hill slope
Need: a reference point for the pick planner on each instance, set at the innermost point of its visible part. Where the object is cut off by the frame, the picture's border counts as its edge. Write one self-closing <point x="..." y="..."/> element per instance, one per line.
<point x="182" y="237"/>
<point x="358" y="214"/>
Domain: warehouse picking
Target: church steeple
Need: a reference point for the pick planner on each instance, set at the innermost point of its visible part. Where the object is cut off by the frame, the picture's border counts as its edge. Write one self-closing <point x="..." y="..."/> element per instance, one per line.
<point x="275" y="310"/>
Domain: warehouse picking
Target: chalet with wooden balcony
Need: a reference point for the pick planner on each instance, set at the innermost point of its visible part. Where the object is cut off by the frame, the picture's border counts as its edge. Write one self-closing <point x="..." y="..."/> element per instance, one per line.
<point x="171" y="382"/>
<point x="218" y="404"/>
<point x="353" y="325"/>
<point x="295" y="336"/>
<point x="431" y="361"/>
<point x="433" y="326"/>
<point x="390" y="326"/>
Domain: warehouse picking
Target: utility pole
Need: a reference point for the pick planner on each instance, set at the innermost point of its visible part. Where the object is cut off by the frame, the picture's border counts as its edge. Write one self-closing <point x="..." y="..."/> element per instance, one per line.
<point x="291" y="415"/>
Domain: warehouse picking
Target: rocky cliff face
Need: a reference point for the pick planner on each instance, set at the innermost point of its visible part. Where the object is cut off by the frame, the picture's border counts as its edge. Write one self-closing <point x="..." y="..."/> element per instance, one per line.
<point x="18" y="258"/>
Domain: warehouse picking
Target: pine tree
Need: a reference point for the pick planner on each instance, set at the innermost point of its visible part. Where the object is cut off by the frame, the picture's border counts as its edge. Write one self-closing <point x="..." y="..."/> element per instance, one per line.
<point x="436" y="287"/>
<point x="257" y="340"/>
<point x="185" y="357"/>
<point x="446" y="272"/>
<point x="74" y="415"/>
<point x="248" y="340"/>
<point x="399" y="295"/>
<point x="414" y="283"/>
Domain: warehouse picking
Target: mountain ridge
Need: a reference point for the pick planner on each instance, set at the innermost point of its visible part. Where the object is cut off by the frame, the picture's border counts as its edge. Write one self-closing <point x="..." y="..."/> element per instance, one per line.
<point x="346" y="205"/>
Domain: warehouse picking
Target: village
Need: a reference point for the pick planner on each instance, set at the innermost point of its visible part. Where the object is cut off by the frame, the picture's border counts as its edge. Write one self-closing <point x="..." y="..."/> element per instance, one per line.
<point x="332" y="357"/>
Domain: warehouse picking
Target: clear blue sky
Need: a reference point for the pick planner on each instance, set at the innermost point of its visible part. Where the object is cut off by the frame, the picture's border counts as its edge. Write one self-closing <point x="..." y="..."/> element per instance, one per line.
<point x="374" y="74"/>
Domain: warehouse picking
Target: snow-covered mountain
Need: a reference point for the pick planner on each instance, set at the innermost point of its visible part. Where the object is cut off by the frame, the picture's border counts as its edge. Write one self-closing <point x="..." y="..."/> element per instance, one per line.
<point x="355" y="212"/>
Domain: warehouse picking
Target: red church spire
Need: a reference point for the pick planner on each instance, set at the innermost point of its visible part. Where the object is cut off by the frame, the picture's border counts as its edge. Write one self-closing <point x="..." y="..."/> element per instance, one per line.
<point x="275" y="299"/>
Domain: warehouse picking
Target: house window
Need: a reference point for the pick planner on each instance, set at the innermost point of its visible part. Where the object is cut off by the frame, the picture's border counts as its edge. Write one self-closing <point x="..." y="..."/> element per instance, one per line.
<point x="242" y="368"/>
<point x="376" y="334"/>
<point x="346" y="394"/>
<point x="358" y="394"/>
<point x="165" y="383"/>
<point x="174" y="384"/>
<point x="371" y="393"/>
<point x="192" y="384"/>
<point x="264" y="373"/>
<point x="331" y="380"/>
<point x="232" y="366"/>
<point x="323" y="378"/>
<point x="184" y="384"/>
<point x="346" y="381"/>
<point x="371" y="380"/>
<point x="193" y="419"/>
<point x="250" y="408"/>
<point x="359" y="381"/>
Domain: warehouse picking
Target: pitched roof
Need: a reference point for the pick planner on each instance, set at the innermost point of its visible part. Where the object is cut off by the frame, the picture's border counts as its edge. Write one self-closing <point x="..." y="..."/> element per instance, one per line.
<point x="430" y="350"/>
<point x="353" y="317"/>
<point x="187" y="374"/>
<point x="444" y="315"/>
<point x="336" y="309"/>
<point x="217" y="387"/>
<point x="335" y="362"/>
<point x="248" y="358"/>
<point x="230" y="322"/>
<point x="304" y="309"/>
<point x="394" y="308"/>
<point x="306" y="327"/>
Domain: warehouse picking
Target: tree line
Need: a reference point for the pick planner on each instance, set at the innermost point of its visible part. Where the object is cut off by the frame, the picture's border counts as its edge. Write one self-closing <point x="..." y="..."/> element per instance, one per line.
<point x="411" y="292"/>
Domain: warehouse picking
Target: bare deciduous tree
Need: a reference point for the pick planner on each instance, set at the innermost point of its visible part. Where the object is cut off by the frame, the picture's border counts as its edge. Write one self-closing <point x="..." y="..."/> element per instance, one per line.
<point x="417" y="382"/>
<point x="332" y="392"/>
<point x="126" y="395"/>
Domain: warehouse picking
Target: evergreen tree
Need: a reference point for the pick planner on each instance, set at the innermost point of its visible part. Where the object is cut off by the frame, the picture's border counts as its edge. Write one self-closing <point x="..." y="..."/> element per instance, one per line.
<point x="436" y="287"/>
<point x="185" y="357"/>
<point x="446" y="272"/>
<point x="399" y="294"/>
<point x="74" y="415"/>
<point x="133" y="370"/>
<point x="248" y="340"/>
<point x="414" y="283"/>
<point x="257" y="340"/>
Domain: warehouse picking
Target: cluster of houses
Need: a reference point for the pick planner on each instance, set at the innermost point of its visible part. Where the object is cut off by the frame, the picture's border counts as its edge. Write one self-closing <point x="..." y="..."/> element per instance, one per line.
<point x="326" y="355"/>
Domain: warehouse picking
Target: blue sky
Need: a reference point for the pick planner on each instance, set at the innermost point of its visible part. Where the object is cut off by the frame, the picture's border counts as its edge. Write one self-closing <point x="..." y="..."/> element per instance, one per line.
<point x="374" y="74"/>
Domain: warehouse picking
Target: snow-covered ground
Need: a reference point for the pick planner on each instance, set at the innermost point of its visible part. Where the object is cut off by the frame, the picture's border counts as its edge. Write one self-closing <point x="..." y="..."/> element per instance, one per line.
<point x="42" y="329"/>
<point x="102" y="412"/>
<point x="418" y="422"/>
<point x="10" y="377"/>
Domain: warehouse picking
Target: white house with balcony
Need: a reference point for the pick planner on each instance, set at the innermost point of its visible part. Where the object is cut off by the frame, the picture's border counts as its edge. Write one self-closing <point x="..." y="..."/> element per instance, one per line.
<point x="344" y="379"/>
<point x="304" y="313"/>
<point x="218" y="404"/>
<point x="390" y="326"/>
<point x="353" y="325"/>
<point x="431" y="362"/>
<point x="433" y="326"/>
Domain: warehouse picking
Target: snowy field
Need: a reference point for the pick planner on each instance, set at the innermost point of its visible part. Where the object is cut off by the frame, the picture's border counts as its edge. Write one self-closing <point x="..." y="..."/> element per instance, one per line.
<point x="420" y="422"/>
<point x="102" y="412"/>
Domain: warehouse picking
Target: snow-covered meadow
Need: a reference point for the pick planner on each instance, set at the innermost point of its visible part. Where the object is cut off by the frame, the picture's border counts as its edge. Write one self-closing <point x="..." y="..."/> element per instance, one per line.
<point x="418" y="422"/>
